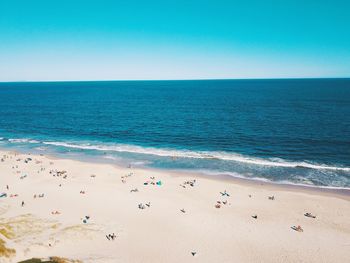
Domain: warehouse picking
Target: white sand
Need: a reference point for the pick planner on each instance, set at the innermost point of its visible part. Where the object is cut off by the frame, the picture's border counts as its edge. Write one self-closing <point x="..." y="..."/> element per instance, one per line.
<point x="161" y="232"/>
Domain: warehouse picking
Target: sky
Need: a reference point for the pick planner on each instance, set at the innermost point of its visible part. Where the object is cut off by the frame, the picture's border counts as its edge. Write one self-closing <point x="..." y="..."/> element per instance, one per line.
<point x="183" y="39"/>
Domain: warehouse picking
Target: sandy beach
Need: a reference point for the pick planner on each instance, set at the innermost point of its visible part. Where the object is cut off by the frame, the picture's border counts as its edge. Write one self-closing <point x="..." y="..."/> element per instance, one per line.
<point x="91" y="212"/>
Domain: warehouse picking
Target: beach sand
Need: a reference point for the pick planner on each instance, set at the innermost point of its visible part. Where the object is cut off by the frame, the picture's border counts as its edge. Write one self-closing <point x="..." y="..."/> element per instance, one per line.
<point x="78" y="208"/>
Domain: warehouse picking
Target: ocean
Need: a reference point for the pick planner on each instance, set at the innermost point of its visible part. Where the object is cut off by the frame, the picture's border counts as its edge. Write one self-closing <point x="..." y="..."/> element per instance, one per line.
<point x="293" y="131"/>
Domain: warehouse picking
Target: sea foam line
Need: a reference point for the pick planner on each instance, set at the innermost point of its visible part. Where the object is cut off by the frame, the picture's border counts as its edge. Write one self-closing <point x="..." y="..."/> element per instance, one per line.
<point x="275" y="162"/>
<point x="266" y="180"/>
<point x="23" y="141"/>
<point x="186" y="154"/>
<point x="196" y="154"/>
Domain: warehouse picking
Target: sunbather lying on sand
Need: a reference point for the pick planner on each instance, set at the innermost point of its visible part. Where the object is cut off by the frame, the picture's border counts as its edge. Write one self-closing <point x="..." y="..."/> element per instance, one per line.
<point x="85" y="220"/>
<point x="55" y="212"/>
<point x="224" y="193"/>
<point x="219" y="203"/>
<point x="111" y="236"/>
<point x="297" y="228"/>
<point x="142" y="206"/>
<point x="309" y="215"/>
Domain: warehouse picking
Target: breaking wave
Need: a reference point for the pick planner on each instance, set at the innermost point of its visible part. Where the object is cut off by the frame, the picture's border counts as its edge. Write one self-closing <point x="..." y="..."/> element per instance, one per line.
<point x="174" y="153"/>
<point x="212" y="162"/>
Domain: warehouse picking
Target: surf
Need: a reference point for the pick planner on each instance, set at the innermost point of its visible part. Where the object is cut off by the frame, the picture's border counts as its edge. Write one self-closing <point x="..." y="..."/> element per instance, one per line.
<point x="176" y="153"/>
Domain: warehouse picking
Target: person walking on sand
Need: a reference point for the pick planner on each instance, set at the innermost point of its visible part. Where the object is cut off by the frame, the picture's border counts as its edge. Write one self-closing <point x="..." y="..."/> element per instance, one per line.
<point x="22" y="203"/>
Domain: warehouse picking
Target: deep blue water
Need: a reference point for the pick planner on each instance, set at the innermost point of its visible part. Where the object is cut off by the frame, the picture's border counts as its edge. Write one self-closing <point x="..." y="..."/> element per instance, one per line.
<point x="282" y="130"/>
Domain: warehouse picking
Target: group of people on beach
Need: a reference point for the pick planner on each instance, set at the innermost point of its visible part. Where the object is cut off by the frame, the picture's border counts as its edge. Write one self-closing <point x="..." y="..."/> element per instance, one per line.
<point x="188" y="183"/>
<point x="223" y="201"/>
<point x="111" y="237"/>
<point x="143" y="206"/>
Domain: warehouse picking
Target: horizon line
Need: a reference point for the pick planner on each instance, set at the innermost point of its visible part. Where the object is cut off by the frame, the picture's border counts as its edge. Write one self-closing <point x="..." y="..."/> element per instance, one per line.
<point x="189" y="79"/>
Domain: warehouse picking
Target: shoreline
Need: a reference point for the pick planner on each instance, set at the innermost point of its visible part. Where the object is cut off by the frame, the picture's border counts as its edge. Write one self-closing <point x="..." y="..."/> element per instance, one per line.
<point x="343" y="193"/>
<point x="287" y="186"/>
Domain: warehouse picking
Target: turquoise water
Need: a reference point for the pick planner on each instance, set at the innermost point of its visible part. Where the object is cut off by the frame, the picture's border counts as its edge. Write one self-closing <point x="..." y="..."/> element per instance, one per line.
<point x="292" y="131"/>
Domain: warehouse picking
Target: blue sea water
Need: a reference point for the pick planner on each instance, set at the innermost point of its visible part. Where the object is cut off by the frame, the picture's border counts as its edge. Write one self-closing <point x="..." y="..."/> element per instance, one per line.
<point x="292" y="130"/>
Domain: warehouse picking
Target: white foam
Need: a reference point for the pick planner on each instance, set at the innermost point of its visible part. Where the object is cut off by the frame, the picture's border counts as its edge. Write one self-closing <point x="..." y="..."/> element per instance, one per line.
<point x="23" y="141"/>
<point x="260" y="179"/>
<point x="141" y="163"/>
<point x="197" y="155"/>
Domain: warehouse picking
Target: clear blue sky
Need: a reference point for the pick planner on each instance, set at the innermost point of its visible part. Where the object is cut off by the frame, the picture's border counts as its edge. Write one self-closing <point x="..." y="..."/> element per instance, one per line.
<point x="182" y="39"/>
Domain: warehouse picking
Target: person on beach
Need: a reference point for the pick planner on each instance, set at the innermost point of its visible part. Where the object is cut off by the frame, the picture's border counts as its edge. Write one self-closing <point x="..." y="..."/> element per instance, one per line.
<point x="111" y="236"/>
<point x="22" y="203"/>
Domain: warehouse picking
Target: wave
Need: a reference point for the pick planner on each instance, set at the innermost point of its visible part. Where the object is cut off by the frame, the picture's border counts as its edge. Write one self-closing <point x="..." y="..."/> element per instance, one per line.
<point x="140" y="163"/>
<point x="321" y="175"/>
<point x="265" y="180"/>
<point x="173" y="153"/>
<point x="23" y="141"/>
